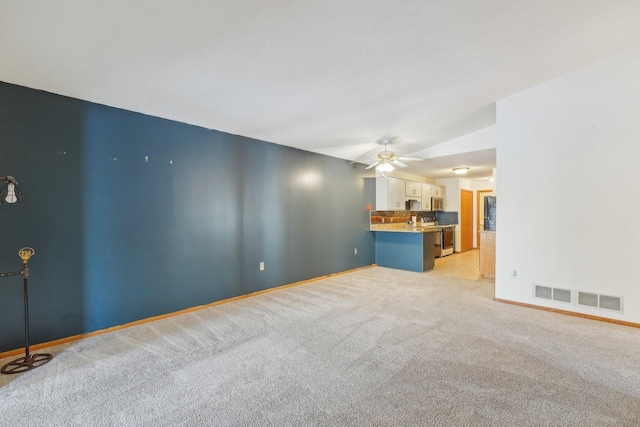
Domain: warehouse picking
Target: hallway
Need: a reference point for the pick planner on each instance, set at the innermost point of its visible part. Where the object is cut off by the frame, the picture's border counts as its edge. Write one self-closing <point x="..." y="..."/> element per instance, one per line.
<point x="464" y="265"/>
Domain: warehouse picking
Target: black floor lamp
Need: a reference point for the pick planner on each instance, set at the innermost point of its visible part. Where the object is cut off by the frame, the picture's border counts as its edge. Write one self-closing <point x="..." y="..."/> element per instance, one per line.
<point x="10" y="194"/>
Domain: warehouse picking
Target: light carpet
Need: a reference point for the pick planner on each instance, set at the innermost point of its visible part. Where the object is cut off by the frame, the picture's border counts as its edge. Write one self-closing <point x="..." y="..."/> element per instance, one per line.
<point x="376" y="347"/>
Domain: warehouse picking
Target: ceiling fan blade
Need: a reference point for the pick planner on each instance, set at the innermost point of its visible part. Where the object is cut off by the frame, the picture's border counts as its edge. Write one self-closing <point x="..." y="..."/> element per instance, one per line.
<point x="410" y="159"/>
<point x="372" y="165"/>
<point x="399" y="163"/>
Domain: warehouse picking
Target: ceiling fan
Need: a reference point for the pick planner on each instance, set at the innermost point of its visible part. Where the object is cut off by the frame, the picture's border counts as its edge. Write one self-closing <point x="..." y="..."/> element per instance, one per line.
<point x="387" y="159"/>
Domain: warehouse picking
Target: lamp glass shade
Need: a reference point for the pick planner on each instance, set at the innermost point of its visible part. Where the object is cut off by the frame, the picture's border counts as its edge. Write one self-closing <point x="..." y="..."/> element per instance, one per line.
<point x="10" y="194"/>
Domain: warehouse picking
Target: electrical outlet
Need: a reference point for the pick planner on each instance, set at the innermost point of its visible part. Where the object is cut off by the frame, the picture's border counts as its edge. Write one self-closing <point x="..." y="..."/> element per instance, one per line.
<point x="355" y="251"/>
<point x="514" y="274"/>
<point x="261" y="265"/>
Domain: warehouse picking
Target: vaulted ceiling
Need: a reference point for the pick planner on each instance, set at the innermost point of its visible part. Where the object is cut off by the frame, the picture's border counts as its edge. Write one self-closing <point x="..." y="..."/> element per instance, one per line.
<point x="326" y="76"/>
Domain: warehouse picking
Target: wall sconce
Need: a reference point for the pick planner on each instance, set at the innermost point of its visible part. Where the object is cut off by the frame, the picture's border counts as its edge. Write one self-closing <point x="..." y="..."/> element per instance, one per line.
<point x="10" y="194"/>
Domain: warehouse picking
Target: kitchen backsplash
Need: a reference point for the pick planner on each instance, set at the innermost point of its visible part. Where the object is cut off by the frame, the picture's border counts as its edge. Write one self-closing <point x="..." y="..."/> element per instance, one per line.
<point x="395" y="217"/>
<point x="445" y="218"/>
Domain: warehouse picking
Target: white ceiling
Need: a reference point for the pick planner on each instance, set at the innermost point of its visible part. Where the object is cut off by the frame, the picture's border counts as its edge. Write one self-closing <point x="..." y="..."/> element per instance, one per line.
<point x="480" y="164"/>
<point x="325" y="76"/>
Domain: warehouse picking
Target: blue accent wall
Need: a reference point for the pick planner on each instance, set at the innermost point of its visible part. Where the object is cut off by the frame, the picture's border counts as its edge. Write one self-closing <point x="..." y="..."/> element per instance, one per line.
<point x="133" y="216"/>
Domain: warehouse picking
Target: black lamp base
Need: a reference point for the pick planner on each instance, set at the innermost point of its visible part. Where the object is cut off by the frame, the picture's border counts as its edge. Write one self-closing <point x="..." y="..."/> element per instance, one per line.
<point x="29" y="361"/>
<point x="26" y="363"/>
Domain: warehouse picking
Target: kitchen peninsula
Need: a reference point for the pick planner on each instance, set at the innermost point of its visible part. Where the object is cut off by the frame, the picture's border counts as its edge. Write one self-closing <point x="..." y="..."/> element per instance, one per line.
<point x="405" y="247"/>
<point x="406" y="240"/>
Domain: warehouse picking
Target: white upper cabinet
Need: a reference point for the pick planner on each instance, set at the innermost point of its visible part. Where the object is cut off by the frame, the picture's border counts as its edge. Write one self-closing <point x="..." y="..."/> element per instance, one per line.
<point x="390" y="194"/>
<point x="413" y="189"/>
<point x="426" y="197"/>
<point x="396" y="195"/>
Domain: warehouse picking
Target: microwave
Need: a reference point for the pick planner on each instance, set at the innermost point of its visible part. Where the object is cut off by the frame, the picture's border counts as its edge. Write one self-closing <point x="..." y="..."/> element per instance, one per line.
<point x="437" y="204"/>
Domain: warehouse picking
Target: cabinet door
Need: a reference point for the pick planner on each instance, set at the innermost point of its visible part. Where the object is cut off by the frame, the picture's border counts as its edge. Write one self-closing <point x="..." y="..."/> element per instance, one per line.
<point x="426" y="197"/>
<point x="396" y="194"/>
<point x="412" y="189"/>
<point x="382" y="194"/>
<point x="436" y="191"/>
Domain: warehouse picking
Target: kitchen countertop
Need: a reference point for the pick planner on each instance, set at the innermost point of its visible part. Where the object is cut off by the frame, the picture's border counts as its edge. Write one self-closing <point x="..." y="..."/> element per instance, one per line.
<point x="405" y="228"/>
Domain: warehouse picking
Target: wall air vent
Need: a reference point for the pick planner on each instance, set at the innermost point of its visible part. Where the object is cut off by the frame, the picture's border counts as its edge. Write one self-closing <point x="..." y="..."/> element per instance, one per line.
<point x="563" y="295"/>
<point x="585" y="298"/>
<point x="610" y="303"/>
<point x="543" y="292"/>
<point x="588" y="299"/>
<point x="555" y="294"/>
<point x="601" y="301"/>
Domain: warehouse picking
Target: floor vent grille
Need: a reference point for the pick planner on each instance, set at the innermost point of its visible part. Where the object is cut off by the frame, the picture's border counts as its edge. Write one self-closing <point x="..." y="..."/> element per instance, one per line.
<point x="606" y="302"/>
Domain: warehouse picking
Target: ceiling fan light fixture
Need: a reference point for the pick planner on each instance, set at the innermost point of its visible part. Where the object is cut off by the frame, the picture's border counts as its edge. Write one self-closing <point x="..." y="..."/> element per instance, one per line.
<point x="386" y="160"/>
<point x="460" y="171"/>
<point x="385" y="167"/>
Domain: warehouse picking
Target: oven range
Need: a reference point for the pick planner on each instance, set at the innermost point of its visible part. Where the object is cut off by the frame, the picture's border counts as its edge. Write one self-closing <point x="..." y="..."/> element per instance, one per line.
<point x="444" y="241"/>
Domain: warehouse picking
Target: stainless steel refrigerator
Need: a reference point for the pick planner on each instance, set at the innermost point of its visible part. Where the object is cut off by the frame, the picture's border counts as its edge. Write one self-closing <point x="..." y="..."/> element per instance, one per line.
<point x="490" y="213"/>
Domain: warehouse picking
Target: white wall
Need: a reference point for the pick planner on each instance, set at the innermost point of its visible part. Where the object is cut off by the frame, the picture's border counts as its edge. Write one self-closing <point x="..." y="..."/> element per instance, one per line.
<point x="482" y="139"/>
<point x="398" y="173"/>
<point x="569" y="196"/>
<point x="452" y="187"/>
